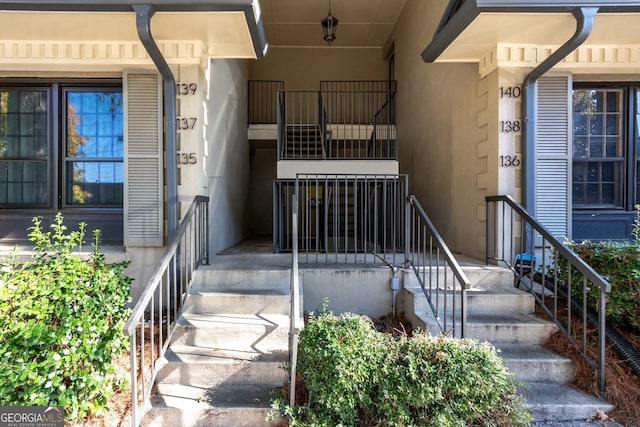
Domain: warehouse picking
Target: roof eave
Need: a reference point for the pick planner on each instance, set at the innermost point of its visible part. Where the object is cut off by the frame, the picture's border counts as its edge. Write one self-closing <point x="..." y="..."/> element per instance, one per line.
<point x="250" y="8"/>
<point x="449" y="29"/>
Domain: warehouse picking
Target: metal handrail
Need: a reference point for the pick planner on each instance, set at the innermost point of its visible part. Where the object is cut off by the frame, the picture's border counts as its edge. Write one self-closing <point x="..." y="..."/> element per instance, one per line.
<point x="295" y="320"/>
<point x="163" y="297"/>
<point x="322" y="119"/>
<point x="518" y="244"/>
<point x="431" y="260"/>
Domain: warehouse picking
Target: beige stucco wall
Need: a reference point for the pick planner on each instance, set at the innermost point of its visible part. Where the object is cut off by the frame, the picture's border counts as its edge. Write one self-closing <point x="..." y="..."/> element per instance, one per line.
<point x="442" y="116"/>
<point x="303" y="68"/>
<point x="227" y="165"/>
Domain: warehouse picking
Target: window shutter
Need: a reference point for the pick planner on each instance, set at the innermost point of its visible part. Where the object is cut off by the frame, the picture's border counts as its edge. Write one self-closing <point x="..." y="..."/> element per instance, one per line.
<point x="143" y="161"/>
<point x="553" y="154"/>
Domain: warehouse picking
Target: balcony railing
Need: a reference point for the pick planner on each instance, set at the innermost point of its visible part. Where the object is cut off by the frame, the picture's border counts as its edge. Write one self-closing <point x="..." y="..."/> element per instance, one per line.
<point x="262" y="101"/>
<point x="337" y="125"/>
<point x="343" y="218"/>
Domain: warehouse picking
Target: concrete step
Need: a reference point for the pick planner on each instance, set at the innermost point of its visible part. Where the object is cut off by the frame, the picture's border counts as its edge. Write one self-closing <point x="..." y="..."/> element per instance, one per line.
<point x="192" y="366"/>
<point x="531" y="363"/>
<point x="560" y="402"/>
<point x="508" y="300"/>
<point x="203" y="415"/>
<point x="242" y="280"/>
<point x="238" y="301"/>
<point x="233" y="332"/>
<point x="508" y="328"/>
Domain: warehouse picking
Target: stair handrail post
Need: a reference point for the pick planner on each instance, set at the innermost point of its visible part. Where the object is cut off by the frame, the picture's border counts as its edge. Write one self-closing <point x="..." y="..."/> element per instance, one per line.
<point x="407" y="224"/>
<point x="295" y="320"/>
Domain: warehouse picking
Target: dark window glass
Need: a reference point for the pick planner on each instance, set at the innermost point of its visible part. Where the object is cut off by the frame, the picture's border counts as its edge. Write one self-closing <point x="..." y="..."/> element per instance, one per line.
<point x="24" y="153"/>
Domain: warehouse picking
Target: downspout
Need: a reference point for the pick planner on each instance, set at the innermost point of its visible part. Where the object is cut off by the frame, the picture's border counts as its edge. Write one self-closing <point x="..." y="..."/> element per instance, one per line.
<point x="143" y="25"/>
<point x="584" y="17"/>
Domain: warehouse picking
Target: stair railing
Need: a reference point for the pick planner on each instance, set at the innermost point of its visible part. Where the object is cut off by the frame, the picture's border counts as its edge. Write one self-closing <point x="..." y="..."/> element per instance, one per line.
<point x="322" y="119"/>
<point x="546" y="268"/>
<point x="281" y="126"/>
<point x="382" y="143"/>
<point x="295" y="318"/>
<point x="154" y="317"/>
<point x="441" y="278"/>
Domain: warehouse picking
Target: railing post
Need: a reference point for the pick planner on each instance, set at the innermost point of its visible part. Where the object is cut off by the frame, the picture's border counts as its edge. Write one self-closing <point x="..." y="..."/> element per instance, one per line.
<point x="206" y="231"/>
<point x="407" y="223"/>
<point x="602" y="339"/>
<point x="487" y="229"/>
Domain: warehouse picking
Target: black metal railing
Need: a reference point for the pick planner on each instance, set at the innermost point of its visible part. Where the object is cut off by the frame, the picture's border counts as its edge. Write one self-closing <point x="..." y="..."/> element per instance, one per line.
<point x="336" y="125"/>
<point x="343" y="218"/>
<point x="546" y="268"/>
<point x="383" y="138"/>
<point x="358" y="85"/>
<point x="262" y="108"/>
<point x="371" y="219"/>
<point x="154" y="317"/>
<point x="301" y="125"/>
<point x="441" y="278"/>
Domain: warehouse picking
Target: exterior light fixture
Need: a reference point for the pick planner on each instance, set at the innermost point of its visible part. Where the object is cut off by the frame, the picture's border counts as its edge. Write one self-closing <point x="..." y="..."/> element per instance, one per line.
<point x="329" y="25"/>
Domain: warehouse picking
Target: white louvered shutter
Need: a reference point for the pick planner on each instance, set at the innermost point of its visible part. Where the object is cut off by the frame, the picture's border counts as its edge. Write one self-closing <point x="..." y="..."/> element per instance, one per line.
<point x="143" y="162"/>
<point x="553" y="154"/>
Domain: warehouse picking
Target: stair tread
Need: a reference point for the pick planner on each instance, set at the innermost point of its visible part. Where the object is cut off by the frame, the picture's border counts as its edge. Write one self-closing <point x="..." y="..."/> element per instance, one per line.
<point x="222" y="320"/>
<point x="529" y="352"/>
<point x="541" y="395"/>
<point x="220" y="396"/>
<point x="506" y="319"/>
<point x="208" y="417"/>
<point x="213" y="290"/>
<point x="196" y="354"/>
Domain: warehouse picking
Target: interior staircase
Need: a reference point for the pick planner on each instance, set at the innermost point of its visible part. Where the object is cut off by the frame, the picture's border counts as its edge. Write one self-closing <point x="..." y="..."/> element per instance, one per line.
<point x="499" y="313"/>
<point x="303" y="141"/>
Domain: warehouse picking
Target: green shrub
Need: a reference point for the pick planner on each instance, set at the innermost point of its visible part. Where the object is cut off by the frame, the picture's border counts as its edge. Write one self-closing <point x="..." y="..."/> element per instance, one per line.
<point x="61" y="319"/>
<point x="355" y="376"/>
<point x="619" y="263"/>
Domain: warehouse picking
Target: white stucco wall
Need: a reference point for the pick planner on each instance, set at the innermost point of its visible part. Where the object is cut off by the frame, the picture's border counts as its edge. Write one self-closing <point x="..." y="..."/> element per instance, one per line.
<point x="442" y="130"/>
<point x="227" y="163"/>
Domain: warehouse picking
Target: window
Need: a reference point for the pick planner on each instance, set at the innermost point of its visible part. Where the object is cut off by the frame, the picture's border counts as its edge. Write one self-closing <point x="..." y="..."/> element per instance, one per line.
<point x="606" y="147"/>
<point x="598" y="148"/>
<point x="61" y="146"/>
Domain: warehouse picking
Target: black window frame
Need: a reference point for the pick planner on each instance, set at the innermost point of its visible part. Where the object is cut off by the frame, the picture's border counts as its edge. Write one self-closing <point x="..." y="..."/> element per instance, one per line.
<point x="56" y="156"/>
<point x="629" y="197"/>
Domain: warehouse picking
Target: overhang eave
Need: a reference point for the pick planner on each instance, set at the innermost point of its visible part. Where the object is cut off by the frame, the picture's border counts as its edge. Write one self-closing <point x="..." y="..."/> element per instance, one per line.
<point x="461" y="15"/>
<point x="250" y="32"/>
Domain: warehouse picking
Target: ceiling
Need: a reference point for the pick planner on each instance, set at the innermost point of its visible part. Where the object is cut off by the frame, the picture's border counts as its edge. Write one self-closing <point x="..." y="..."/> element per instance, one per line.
<point x="362" y="23"/>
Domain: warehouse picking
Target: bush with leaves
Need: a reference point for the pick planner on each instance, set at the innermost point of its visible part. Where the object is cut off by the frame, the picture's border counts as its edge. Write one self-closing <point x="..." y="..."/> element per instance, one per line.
<point x="355" y="376"/>
<point x="619" y="263"/>
<point x="61" y="318"/>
